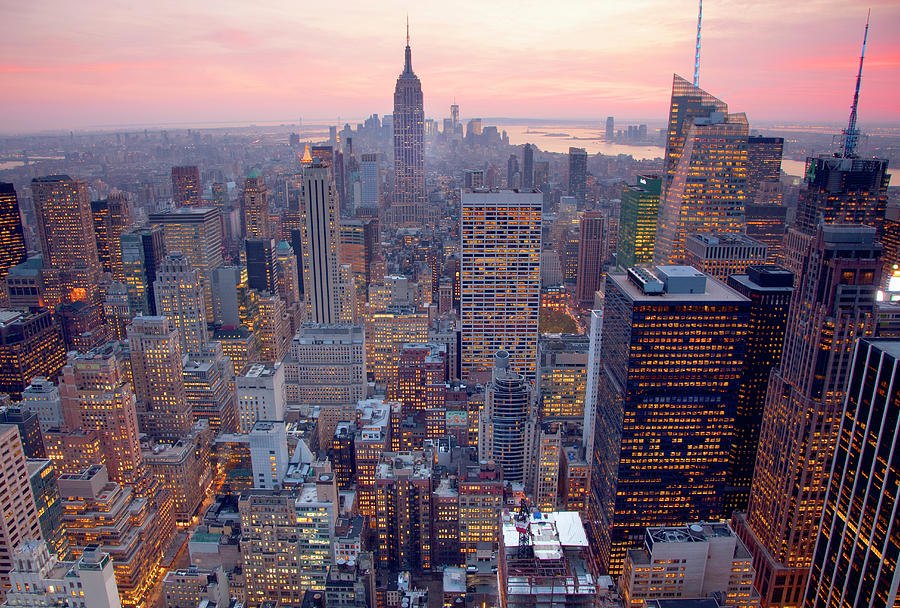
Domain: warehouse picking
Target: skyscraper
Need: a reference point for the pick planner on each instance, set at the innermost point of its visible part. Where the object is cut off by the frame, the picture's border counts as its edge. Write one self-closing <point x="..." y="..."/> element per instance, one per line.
<point x="409" y="147"/>
<point x="610" y="127"/>
<point x="831" y="308"/>
<point x="855" y="561"/>
<point x="764" y="169"/>
<point x="261" y="272"/>
<point x="688" y="101"/>
<point x="179" y="297"/>
<point x="500" y="279"/>
<point x="506" y="425"/>
<point x="66" y="229"/>
<point x="592" y="249"/>
<point x="578" y="173"/>
<point x="112" y="217"/>
<point x="20" y="522"/>
<point x="769" y="290"/>
<point x="370" y="181"/>
<point x="186" y="186"/>
<point x="142" y="252"/>
<point x="12" y="238"/>
<point x="256" y="207"/>
<point x="96" y="396"/>
<point x="196" y="233"/>
<point x="528" y="166"/>
<point x="162" y="407"/>
<point x="31" y="345"/>
<point x="637" y="221"/>
<point x="706" y="190"/>
<point x="672" y="350"/>
<point x="321" y="244"/>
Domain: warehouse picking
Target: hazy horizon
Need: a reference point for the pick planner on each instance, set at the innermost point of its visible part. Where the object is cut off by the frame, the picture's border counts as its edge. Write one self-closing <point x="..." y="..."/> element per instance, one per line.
<point x="100" y="63"/>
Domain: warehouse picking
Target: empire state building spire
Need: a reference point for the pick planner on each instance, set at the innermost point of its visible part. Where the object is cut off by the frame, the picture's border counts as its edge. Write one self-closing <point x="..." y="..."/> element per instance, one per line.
<point x="408" y="208"/>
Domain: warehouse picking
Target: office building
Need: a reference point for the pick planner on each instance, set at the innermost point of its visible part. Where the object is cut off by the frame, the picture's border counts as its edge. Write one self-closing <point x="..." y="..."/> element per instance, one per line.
<point x="699" y="195"/>
<point x="722" y="255"/>
<point x="699" y="560"/>
<point x="162" y="407"/>
<point x="117" y="311"/>
<point x="764" y="169"/>
<point x="142" y="253"/>
<point x="326" y="365"/>
<point x="73" y="451"/>
<point x="372" y="439"/>
<point x="545" y="473"/>
<point x="562" y="376"/>
<point x="97" y="396"/>
<point x="262" y="273"/>
<point x="767" y="224"/>
<point x="769" y="290"/>
<point x="20" y="522"/>
<point x="321" y="244"/>
<point x="500" y="279"/>
<point x="831" y="308"/>
<point x="403" y="511"/>
<point x="386" y="333"/>
<point x="593" y="246"/>
<point x="179" y="293"/>
<point x="197" y="234"/>
<point x="578" y="173"/>
<point x="370" y="180"/>
<point x="31" y="345"/>
<point x="506" y="427"/>
<point x="209" y="388"/>
<point x="408" y="206"/>
<point x="662" y="439"/>
<point x="42" y="478"/>
<point x="112" y="216"/>
<point x="291" y="530"/>
<point x="66" y="231"/>
<point x="190" y="587"/>
<point x="272" y="328"/>
<point x="182" y="470"/>
<point x="39" y="578"/>
<point x="134" y="530"/>
<point x="260" y="394"/>
<point x="546" y="559"/>
<point x="268" y="453"/>
<point x="255" y="207"/>
<point x="855" y="560"/>
<point x="610" y="128"/>
<point x="186" y="187"/>
<point x="687" y="103"/>
<point x="41" y="397"/>
<point x="527" y="167"/>
<point x="637" y="221"/>
<point x="843" y="191"/>
<point x="13" y="249"/>
<point x="29" y="429"/>
<point x="287" y="274"/>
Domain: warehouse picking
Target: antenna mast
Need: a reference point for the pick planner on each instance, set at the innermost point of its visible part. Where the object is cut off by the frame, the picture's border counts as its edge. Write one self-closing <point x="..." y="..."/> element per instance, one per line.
<point x="851" y="134"/>
<point x="697" y="56"/>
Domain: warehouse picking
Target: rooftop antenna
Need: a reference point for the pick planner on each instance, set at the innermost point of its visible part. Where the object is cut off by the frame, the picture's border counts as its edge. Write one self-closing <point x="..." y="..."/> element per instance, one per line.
<point x="697" y="56"/>
<point x="851" y="134"/>
<point x="407" y="29"/>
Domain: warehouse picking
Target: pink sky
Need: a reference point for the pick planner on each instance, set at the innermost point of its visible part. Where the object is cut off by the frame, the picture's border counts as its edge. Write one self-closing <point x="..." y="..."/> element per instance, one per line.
<point x="84" y="64"/>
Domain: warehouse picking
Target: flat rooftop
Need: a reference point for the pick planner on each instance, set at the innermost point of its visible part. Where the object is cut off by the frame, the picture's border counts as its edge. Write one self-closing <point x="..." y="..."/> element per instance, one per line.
<point x="716" y="291"/>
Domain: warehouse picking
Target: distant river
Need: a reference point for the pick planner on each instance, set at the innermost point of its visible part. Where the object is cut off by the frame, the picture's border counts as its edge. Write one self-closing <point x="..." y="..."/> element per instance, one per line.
<point x="558" y="138"/>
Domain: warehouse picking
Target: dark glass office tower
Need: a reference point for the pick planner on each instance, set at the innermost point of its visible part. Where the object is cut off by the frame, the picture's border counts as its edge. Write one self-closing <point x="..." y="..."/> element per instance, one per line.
<point x="673" y="353"/>
<point x="578" y="173"/>
<point x="855" y="562"/>
<point x="261" y="272"/>
<point x="12" y="238"/>
<point x="769" y="290"/>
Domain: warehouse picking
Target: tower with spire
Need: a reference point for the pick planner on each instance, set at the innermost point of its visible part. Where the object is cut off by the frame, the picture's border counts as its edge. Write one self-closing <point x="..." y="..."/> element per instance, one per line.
<point x="409" y="202"/>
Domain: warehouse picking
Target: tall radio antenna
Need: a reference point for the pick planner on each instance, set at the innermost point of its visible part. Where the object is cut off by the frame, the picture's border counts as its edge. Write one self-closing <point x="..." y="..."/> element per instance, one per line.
<point x="851" y="134"/>
<point x="697" y="56"/>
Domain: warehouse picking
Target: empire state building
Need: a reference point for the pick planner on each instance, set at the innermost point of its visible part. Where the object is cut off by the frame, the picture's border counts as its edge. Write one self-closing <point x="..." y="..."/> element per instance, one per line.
<point x="408" y="207"/>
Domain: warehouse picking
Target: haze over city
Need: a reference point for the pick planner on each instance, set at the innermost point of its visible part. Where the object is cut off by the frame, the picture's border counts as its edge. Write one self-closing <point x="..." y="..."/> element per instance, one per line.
<point x="103" y="64"/>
